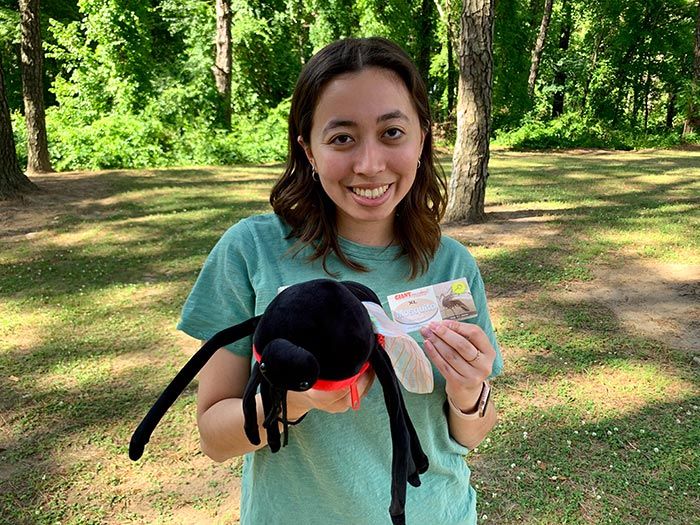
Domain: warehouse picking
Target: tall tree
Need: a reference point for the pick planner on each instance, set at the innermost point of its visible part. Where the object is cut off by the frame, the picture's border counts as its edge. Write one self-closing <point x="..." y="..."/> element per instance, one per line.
<point x="560" y="72"/>
<point x="222" y="64"/>
<point x="446" y="15"/>
<point x="13" y="182"/>
<point x="425" y="39"/>
<point x="692" y="121"/>
<point x="467" y="187"/>
<point x="33" y="88"/>
<point x="539" y="46"/>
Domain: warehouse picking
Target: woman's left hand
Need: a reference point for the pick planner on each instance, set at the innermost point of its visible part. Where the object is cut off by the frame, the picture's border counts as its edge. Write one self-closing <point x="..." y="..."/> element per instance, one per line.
<point x="464" y="356"/>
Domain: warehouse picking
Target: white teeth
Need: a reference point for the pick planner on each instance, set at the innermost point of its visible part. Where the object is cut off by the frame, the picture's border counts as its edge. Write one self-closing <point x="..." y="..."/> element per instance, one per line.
<point x="370" y="194"/>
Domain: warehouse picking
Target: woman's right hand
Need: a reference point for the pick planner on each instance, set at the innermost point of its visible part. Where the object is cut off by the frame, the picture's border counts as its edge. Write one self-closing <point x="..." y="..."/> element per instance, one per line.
<point x="332" y="401"/>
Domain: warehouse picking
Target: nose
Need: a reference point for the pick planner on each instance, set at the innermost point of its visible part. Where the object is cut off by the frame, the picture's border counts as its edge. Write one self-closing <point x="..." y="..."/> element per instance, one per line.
<point x="370" y="158"/>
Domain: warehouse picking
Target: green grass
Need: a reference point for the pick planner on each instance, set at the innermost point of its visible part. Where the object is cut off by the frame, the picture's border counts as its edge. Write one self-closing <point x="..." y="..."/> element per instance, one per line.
<point x="599" y="424"/>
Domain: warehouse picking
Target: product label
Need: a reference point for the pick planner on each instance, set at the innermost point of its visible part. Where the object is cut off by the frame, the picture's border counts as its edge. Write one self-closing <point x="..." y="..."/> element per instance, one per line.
<point x="449" y="300"/>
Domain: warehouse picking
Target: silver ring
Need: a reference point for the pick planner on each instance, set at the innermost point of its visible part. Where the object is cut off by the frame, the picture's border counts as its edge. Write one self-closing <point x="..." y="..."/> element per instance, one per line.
<point x="475" y="357"/>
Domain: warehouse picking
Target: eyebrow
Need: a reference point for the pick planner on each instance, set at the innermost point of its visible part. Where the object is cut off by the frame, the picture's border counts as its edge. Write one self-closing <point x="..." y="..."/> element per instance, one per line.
<point x="341" y="123"/>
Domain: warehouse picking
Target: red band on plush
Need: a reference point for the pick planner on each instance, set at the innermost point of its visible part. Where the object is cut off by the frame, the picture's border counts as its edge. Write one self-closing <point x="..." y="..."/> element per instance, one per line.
<point x="326" y="384"/>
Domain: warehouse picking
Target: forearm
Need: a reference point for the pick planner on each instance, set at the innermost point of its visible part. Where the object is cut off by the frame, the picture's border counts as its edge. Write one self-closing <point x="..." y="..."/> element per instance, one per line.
<point x="470" y="431"/>
<point x="221" y="430"/>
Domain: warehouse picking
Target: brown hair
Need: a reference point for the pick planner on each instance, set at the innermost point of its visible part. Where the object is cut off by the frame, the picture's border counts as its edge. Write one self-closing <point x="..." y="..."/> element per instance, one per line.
<point x="302" y="203"/>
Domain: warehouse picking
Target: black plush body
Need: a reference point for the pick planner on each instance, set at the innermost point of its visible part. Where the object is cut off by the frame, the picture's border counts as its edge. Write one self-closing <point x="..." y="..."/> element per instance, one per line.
<point x="317" y="330"/>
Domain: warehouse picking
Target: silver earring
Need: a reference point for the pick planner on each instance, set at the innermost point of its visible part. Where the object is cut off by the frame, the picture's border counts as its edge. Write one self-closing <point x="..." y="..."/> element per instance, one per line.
<point x="314" y="174"/>
<point x="419" y="163"/>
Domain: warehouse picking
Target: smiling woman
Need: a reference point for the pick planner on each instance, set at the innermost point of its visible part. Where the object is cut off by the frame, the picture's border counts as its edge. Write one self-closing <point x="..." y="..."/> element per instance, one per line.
<point x="366" y="141"/>
<point x="360" y="200"/>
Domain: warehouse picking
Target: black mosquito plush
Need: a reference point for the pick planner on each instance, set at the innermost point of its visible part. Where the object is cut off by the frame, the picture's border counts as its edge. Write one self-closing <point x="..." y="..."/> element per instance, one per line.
<point x="316" y="334"/>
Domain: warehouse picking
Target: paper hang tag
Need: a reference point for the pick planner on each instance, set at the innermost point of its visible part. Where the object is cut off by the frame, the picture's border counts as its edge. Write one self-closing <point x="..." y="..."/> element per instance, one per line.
<point x="412" y="367"/>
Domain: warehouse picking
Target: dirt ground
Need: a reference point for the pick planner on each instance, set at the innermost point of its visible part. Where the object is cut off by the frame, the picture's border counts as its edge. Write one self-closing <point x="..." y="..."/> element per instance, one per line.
<point x="656" y="300"/>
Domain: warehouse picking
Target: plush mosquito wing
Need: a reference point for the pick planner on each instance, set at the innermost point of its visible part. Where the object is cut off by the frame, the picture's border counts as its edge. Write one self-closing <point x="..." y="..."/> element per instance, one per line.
<point x="411" y="365"/>
<point x="184" y="377"/>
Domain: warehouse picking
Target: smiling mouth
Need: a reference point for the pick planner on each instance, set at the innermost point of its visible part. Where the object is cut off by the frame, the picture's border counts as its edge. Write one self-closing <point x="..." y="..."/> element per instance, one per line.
<point x="373" y="193"/>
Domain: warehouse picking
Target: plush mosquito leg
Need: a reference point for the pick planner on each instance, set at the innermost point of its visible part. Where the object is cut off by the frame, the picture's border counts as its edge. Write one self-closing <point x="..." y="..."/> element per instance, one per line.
<point x="184" y="377"/>
<point x="250" y="407"/>
<point x="271" y="408"/>
<point x="419" y="461"/>
<point x="399" y="436"/>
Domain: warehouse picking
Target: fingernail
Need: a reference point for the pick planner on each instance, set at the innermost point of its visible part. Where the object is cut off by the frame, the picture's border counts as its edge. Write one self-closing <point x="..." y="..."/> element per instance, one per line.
<point x="436" y="327"/>
<point x="424" y="332"/>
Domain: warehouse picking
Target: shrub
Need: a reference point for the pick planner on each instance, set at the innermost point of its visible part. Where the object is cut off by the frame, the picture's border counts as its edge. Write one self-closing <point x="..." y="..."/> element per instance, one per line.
<point x="113" y="141"/>
<point x="568" y="131"/>
<point x="573" y="131"/>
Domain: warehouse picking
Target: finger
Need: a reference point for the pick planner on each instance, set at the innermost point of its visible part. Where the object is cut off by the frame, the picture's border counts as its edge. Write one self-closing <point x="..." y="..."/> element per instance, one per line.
<point x="455" y="359"/>
<point x="439" y="361"/>
<point x="474" y="334"/>
<point x="459" y="343"/>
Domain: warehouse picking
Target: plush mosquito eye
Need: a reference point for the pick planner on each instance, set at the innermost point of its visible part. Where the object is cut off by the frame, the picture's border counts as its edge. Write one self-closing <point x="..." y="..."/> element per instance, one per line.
<point x="304" y="385"/>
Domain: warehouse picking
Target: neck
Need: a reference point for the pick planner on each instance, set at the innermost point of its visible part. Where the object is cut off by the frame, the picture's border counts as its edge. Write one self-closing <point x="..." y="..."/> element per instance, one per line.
<point x="375" y="233"/>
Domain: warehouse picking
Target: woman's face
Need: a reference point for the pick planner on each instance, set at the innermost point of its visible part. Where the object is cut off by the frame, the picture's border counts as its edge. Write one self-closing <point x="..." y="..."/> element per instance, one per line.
<point x="366" y="140"/>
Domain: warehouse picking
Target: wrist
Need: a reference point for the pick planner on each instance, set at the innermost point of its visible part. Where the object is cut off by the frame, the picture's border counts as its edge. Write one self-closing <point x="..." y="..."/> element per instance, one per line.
<point x="466" y="400"/>
<point x="475" y="408"/>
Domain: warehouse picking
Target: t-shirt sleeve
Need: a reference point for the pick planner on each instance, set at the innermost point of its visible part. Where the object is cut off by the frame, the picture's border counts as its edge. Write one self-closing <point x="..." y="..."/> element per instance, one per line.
<point x="223" y="294"/>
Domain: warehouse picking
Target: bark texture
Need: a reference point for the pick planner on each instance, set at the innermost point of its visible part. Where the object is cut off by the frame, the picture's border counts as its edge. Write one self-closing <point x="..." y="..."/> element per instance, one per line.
<point x="560" y="71"/>
<point x="445" y="14"/>
<point x="13" y="182"/>
<point x="33" y="88"/>
<point x="470" y="160"/>
<point x="539" y="47"/>
<point x="692" y="121"/>
<point x="223" y="62"/>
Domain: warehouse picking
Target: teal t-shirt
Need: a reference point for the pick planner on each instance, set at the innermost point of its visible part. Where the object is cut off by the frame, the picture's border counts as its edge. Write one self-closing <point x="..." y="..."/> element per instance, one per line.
<point x="336" y="469"/>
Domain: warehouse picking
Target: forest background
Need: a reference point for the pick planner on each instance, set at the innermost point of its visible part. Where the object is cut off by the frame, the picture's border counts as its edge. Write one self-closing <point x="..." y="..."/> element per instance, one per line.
<point x="130" y="83"/>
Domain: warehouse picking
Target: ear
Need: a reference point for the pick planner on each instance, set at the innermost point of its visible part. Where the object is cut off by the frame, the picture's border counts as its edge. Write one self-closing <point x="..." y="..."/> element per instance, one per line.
<point x="423" y="134"/>
<point x="307" y="150"/>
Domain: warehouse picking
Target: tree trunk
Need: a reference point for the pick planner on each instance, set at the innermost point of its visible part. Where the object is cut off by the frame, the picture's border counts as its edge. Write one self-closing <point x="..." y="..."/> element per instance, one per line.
<point x="33" y="88"/>
<point x="692" y="120"/>
<point x="467" y="186"/>
<point x="451" y="78"/>
<point x="670" y="110"/>
<point x="223" y="62"/>
<point x="452" y="42"/>
<point x="560" y="72"/>
<point x="647" y="91"/>
<point x="539" y="47"/>
<point x="13" y="183"/>
<point x="587" y="85"/>
<point x="425" y="39"/>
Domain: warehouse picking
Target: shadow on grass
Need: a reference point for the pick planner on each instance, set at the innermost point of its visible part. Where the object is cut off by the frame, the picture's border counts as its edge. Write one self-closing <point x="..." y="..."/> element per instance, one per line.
<point x="144" y="235"/>
<point x="556" y="466"/>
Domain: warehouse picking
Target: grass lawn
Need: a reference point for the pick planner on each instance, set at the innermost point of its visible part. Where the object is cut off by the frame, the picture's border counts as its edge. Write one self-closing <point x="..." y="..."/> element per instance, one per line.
<point x="592" y="265"/>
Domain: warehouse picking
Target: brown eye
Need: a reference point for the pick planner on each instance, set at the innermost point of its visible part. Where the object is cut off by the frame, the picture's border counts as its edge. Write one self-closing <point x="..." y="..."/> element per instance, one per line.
<point x="394" y="133"/>
<point x="341" y="140"/>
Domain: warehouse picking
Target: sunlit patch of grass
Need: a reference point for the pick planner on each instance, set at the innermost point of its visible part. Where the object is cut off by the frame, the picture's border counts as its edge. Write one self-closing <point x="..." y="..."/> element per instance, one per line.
<point x="597" y="425"/>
